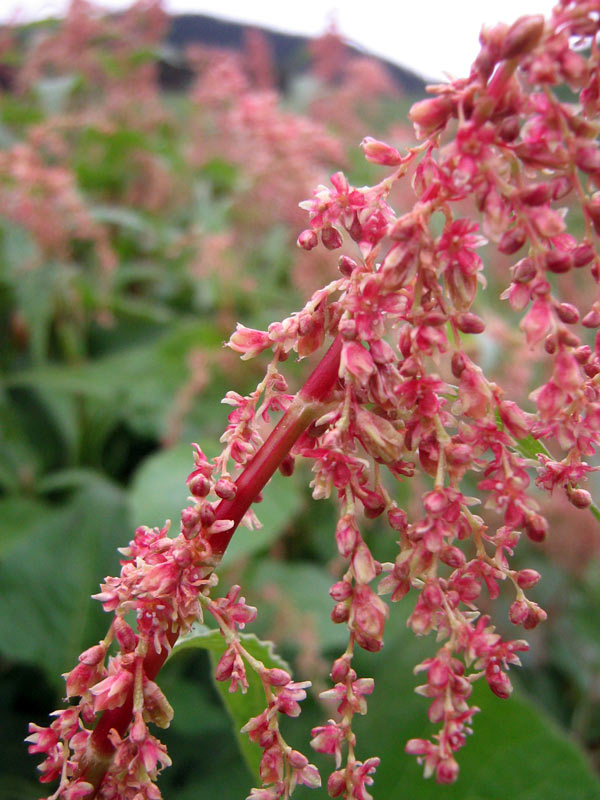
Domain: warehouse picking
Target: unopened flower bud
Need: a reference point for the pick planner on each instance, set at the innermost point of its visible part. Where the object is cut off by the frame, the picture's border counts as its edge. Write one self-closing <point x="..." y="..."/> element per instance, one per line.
<point x="199" y="485"/>
<point x="591" y="370"/>
<point x="591" y="319"/>
<point x="278" y="677"/>
<point x="509" y="129"/>
<point x="287" y="465"/>
<point x="580" y="498"/>
<point x="397" y="519"/>
<point x="550" y="344"/>
<point x="346" y="536"/>
<point x="190" y="517"/>
<point x="93" y="655"/>
<point x="470" y="323"/>
<point x="447" y="770"/>
<point x="568" y="338"/>
<point x="331" y="238"/>
<point x="297" y="760"/>
<point x="452" y="556"/>
<point x="380" y="152"/>
<point x="558" y="261"/>
<point x="527" y="578"/>
<point x="225" y="488"/>
<point x="340" y="591"/>
<point x="307" y="240"/>
<point x="534" y="617"/>
<point x="346" y="266"/>
<point x="583" y="254"/>
<point x="523" y="35"/>
<point x="512" y="240"/>
<point x="431" y="114"/>
<point x="207" y="515"/>
<point x="567" y="313"/>
<point x="458" y="454"/>
<point x="336" y="783"/>
<point x="536" y="194"/>
<point x="524" y="270"/>
<point x="582" y="354"/>
<point x="340" y="669"/>
<point x="340" y="613"/>
<point x="458" y="364"/>
<point x="498" y="681"/>
<point x="587" y="158"/>
<point x="518" y="612"/>
<point x="124" y="635"/>
<point x="536" y="527"/>
<point x="373" y="503"/>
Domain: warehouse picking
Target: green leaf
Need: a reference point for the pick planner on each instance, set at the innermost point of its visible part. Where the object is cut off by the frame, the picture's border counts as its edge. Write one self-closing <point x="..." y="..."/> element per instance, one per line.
<point x="141" y="382"/>
<point x="282" y="500"/>
<point x="158" y="490"/>
<point x="241" y="707"/>
<point x="304" y="587"/>
<point x="531" y="448"/>
<point x="51" y="564"/>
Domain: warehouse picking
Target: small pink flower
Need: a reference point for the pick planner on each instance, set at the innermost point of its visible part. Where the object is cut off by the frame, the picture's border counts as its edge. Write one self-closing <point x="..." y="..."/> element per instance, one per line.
<point x="249" y="342"/>
<point x="357" y="361"/>
<point x="113" y="690"/>
<point x="329" y="739"/>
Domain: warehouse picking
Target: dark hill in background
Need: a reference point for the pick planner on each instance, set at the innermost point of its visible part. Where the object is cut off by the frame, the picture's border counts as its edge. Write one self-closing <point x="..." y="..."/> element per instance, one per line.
<point x="290" y="52"/>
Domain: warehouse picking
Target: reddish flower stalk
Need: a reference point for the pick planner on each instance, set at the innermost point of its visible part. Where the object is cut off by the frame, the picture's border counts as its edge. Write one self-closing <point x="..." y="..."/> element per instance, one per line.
<point x="306" y="407"/>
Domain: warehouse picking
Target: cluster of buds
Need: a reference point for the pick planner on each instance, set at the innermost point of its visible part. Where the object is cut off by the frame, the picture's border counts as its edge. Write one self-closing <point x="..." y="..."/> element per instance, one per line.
<point x="396" y="395"/>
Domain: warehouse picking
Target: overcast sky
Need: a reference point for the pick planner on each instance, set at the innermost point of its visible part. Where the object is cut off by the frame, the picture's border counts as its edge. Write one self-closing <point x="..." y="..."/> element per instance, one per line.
<point x="430" y="36"/>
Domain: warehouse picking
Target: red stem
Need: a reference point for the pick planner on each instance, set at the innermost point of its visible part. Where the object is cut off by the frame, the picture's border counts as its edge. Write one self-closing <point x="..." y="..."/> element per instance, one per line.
<point x="304" y="409"/>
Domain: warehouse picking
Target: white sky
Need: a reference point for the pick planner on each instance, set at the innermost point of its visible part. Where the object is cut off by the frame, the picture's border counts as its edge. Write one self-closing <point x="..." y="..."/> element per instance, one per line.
<point x="430" y="36"/>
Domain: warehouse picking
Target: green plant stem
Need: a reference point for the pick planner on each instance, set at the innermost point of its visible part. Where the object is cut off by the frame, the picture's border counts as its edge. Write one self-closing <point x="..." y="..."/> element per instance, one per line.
<point x="305" y="409"/>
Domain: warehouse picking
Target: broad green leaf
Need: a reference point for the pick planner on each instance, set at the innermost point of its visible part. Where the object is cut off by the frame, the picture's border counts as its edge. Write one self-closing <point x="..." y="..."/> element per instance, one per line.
<point x="19" y="515"/>
<point x="304" y="590"/>
<point x="241" y="707"/>
<point x="140" y="382"/>
<point x="53" y="562"/>
<point x="282" y="500"/>
<point x="158" y="490"/>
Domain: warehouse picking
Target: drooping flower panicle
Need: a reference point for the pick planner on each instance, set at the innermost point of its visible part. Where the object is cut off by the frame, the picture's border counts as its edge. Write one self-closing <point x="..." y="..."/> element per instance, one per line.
<point x="398" y="393"/>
